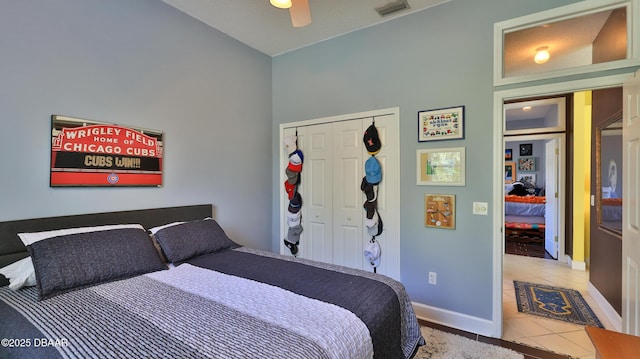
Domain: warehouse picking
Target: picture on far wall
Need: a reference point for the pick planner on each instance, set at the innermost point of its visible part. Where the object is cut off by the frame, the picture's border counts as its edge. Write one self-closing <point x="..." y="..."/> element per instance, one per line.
<point x="526" y="149"/>
<point x="508" y="154"/>
<point x="89" y="153"/>
<point x="527" y="164"/>
<point x="530" y="178"/>
<point x="509" y="172"/>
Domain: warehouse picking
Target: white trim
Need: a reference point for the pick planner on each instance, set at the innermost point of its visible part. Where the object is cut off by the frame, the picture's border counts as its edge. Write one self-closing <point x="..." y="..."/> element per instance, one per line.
<point x="609" y="312"/>
<point x="452" y="319"/>
<point x="498" y="157"/>
<point x="563" y="13"/>
<point x="576" y="265"/>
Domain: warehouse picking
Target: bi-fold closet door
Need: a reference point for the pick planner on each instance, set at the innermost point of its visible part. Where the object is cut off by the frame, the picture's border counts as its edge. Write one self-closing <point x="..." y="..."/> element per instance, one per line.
<point x="332" y="210"/>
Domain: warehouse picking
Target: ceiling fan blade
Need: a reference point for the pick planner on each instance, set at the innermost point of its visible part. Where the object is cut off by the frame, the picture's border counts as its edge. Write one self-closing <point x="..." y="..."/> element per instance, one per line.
<point x="300" y="13"/>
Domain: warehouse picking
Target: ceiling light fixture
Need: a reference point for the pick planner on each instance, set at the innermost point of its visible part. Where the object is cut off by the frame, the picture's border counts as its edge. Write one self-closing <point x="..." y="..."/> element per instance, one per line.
<point x="526" y="108"/>
<point x="281" y="4"/>
<point x="542" y="55"/>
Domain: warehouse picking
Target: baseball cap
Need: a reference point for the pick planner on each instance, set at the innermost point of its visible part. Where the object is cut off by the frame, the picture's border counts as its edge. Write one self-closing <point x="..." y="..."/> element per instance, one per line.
<point x="371" y="140"/>
<point x="373" y="170"/>
<point x="372" y="253"/>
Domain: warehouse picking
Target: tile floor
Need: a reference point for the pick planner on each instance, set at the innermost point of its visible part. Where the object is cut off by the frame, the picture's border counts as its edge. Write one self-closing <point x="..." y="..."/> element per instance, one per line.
<point x="553" y="335"/>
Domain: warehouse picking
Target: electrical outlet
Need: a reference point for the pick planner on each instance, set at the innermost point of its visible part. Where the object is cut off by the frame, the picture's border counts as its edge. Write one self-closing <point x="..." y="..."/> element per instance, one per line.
<point x="433" y="278"/>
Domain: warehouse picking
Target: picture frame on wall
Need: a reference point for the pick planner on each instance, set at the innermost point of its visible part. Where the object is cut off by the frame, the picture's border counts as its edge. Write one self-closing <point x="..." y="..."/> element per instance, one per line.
<point x="527" y="177"/>
<point x="508" y="154"/>
<point x="440" y="211"/>
<point x="509" y="172"/>
<point x="526" y="149"/>
<point x="440" y="166"/>
<point x="527" y="164"/>
<point x="441" y="124"/>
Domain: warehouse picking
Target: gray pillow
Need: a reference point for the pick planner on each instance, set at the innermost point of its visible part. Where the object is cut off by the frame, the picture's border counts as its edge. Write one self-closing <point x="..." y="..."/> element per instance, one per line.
<point x="182" y="241"/>
<point x="79" y="260"/>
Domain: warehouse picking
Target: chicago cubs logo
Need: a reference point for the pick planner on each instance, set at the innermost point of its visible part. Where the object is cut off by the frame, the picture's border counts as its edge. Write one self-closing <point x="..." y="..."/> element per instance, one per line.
<point x="113" y="178"/>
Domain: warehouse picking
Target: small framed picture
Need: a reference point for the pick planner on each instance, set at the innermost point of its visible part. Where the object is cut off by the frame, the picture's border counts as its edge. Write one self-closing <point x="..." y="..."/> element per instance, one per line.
<point x="441" y="124"/>
<point x="527" y="164"/>
<point x="526" y="149"/>
<point x="440" y="167"/>
<point x="530" y="178"/>
<point x="440" y="211"/>
<point x="508" y="154"/>
<point x="509" y="172"/>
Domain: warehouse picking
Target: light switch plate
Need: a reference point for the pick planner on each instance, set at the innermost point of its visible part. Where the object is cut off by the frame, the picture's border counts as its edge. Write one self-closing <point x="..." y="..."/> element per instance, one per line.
<point x="481" y="208"/>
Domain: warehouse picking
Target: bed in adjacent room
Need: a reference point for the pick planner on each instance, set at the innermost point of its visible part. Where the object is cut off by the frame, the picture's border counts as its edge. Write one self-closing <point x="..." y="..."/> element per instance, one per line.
<point x="168" y="282"/>
<point x="524" y="217"/>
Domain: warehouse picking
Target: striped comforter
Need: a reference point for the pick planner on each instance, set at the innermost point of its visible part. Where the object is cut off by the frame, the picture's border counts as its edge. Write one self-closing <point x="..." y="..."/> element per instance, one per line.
<point x="235" y="304"/>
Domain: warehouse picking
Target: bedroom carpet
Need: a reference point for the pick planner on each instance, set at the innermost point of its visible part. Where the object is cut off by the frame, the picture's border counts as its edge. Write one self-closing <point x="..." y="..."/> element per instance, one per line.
<point x="554" y="302"/>
<point x="442" y="345"/>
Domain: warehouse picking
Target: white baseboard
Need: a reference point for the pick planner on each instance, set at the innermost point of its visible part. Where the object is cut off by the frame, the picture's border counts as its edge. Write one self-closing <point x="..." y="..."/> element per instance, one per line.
<point x="577" y="265"/>
<point x="454" y="319"/>
<point x="609" y="312"/>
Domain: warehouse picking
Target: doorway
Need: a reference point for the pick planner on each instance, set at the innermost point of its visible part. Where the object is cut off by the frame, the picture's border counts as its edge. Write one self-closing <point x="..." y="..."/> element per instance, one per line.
<point x="534" y="203"/>
<point x="499" y="152"/>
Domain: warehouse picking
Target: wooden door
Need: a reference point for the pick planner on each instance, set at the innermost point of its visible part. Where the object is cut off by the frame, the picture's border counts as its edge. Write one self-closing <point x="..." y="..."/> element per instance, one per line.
<point x="348" y="169"/>
<point x="318" y="185"/>
<point x="605" y="269"/>
<point x="552" y="152"/>
<point x="631" y="207"/>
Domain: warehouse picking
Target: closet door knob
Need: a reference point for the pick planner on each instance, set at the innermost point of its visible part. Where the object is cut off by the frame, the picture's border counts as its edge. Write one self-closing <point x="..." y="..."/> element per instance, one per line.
<point x="317" y="215"/>
<point x="348" y="218"/>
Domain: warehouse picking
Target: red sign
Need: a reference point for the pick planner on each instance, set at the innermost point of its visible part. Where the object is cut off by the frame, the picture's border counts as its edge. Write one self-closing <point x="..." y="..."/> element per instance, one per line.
<point x="86" y="153"/>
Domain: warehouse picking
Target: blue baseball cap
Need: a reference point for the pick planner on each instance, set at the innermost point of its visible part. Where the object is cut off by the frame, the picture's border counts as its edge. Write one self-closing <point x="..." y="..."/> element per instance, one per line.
<point x="373" y="170"/>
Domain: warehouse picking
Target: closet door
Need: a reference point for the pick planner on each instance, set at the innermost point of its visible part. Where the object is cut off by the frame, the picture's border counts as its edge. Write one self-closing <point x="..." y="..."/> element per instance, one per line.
<point x="317" y="194"/>
<point x="347" y="196"/>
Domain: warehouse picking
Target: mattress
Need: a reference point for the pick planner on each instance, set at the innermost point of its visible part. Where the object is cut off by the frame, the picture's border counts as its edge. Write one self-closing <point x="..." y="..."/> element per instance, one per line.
<point x="238" y="303"/>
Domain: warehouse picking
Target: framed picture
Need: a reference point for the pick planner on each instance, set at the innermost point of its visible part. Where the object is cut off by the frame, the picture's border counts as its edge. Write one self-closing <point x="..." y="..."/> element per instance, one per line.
<point x="441" y="124"/>
<point x="526" y="149"/>
<point x="440" y="166"/>
<point x="508" y="154"/>
<point x="529" y="177"/>
<point x="440" y="211"/>
<point x="527" y="164"/>
<point x="509" y="172"/>
<point x="87" y="153"/>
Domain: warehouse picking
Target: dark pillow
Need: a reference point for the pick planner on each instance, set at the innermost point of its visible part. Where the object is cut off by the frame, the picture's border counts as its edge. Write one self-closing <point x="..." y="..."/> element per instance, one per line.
<point x="182" y="241"/>
<point x="78" y="260"/>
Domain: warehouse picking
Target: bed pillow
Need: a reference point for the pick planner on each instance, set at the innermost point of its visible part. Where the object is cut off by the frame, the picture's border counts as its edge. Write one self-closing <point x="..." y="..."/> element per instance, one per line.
<point x="20" y="274"/>
<point x="182" y="241"/>
<point x="70" y="259"/>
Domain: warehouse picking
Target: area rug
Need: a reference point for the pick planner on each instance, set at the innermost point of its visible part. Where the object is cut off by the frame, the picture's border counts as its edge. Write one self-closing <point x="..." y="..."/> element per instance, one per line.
<point x="442" y="345"/>
<point x="555" y="303"/>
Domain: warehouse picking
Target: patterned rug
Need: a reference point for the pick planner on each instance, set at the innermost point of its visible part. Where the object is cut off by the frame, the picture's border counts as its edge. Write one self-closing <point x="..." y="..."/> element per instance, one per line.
<point x="555" y="303"/>
<point x="442" y="345"/>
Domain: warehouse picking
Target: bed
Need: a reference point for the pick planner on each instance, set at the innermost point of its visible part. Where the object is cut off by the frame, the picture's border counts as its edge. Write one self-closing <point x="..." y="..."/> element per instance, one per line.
<point x="168" y="282"/>
<point x="611" y="215"/>
<point x="524" y="218"/>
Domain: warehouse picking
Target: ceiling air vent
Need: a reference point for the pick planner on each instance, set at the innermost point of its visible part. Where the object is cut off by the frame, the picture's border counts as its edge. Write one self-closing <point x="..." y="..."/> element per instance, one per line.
<point x="392" y="7"/>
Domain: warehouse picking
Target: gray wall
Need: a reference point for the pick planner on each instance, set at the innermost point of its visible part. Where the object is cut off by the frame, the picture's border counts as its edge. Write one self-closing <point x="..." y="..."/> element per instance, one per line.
<point x="432" y="59"/>
<point x="144" y="64"/>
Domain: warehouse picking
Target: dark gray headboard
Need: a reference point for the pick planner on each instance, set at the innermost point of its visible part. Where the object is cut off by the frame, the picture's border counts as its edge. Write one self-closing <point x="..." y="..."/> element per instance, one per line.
<point x="12" y="249"/>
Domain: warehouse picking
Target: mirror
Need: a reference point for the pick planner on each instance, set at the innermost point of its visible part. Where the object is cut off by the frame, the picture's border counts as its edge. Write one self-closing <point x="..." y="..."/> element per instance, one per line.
<point x="584" y="37"/>
<point x="609" y="174"/>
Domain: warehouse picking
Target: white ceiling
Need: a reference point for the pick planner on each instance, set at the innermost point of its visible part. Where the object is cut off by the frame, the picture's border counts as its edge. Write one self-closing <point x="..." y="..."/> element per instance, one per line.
<point x="269" y="30"/>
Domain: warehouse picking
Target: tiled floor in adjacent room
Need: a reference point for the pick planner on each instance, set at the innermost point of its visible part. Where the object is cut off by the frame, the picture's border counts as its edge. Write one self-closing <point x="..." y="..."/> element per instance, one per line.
<point x="553" y="335"/>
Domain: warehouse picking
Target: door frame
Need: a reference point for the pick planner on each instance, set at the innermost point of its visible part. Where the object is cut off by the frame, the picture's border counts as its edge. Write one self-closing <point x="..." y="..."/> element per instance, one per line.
<point x="392" y="168"/>
<point x="499" y="97"/>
